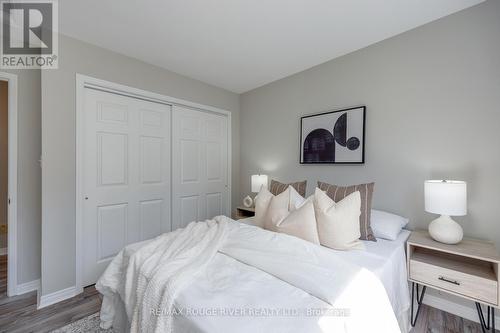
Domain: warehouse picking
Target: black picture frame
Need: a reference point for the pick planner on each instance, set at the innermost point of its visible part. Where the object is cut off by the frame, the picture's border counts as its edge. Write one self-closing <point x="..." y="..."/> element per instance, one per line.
<point x="362" y="139"/>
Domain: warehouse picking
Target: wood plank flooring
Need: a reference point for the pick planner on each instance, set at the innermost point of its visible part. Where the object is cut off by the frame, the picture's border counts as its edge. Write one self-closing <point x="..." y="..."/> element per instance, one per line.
<point x="3" y="276"/>
<point x="432" y="320"/>
<point x="19" y="314"/>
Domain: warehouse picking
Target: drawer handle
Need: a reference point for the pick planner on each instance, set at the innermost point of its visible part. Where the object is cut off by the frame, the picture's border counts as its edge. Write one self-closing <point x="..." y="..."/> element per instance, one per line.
<point x="449" y="281"/>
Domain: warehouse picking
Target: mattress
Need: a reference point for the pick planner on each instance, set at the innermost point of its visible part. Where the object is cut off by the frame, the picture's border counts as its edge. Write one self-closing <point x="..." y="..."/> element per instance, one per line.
<point x="224" y="292"/>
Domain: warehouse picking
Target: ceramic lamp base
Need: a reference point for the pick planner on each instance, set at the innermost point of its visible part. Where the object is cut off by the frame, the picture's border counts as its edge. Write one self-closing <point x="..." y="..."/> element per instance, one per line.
<point x="248" y="202"/>
<point x="445" y="230"/>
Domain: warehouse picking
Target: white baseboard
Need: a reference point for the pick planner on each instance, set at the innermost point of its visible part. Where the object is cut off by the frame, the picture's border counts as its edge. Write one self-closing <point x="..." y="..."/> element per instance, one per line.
<point x="56" y="297"/>
<point x="3" y="251"/>
<point x="460" y="310"/>
<point x="24" y="288"/>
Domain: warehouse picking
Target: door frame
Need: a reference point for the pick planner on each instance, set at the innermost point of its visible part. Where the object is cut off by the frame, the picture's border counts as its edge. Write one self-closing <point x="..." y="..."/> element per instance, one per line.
<point x="12" y="184"/>
<point x="83" y="82"/>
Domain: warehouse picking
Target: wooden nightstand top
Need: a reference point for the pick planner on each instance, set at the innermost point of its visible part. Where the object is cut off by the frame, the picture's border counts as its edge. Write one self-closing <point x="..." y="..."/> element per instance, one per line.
<point x="468" y="247"/>
<point x="244" y="212"/>
<point x="247" y="209"/>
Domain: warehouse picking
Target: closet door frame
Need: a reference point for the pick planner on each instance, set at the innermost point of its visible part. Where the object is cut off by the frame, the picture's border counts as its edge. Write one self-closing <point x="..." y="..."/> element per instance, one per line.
<point x="85" y="82"/>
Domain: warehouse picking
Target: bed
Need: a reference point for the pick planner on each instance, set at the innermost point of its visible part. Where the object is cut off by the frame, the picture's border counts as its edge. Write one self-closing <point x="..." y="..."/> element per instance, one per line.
<point x="244" y="290"/>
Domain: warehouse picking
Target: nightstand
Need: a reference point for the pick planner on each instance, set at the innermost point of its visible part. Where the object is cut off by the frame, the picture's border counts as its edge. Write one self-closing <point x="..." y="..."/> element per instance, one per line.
<point x="244" y="212"/>
<point x="469" y="270"/>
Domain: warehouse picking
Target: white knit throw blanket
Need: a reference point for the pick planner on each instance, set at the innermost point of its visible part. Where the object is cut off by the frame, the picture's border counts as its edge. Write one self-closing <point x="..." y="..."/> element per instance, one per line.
<point x="149" y="280"/>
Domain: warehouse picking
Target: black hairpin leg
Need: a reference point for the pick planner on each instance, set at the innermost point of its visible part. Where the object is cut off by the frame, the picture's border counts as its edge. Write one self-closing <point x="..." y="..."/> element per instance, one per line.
<point x="419" y="301"/>
<point x="490" y="323"/>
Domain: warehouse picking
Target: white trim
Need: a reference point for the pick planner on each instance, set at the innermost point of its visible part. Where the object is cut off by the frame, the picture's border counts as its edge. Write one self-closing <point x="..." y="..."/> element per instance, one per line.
<point x="82" y="82"/>
<point x="3" y="251"/>
<point x="116" y="88"/>
<point x="229" y="165"/>
<point x="27" y="287"/>
<point x="80" y="86"/>
<point x="12" y="180"/>
<point x="460" y="310"/>
<point x="56" y="297"/>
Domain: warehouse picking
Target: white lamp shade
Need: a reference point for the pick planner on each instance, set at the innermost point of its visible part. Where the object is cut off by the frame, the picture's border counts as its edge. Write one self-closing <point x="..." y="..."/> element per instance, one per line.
<point x="258" y="181"/>
<point x="446" y="197"/>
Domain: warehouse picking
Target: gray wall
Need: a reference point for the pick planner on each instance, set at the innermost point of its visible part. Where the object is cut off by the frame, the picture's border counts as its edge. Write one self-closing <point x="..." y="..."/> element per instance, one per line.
<point x="58" y="137"/>
<point x="433" y="111"/>
<point x="29" y="174"/>
<point x="4" y="158"/>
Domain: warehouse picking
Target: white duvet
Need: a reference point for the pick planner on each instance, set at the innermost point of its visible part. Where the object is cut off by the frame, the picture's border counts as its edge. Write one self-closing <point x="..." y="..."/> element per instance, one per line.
<point x="154" y="279"/>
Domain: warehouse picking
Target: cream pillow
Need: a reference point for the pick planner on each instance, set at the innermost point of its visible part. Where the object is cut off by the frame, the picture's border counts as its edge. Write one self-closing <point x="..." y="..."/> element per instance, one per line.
<point x="338" y="223"/>
<point x="287" y="212"/>
<point x="262" y="201"/>
<point x="290" y="199"/>
<point x="278" y="210"/>
<point x="301" y="223"/>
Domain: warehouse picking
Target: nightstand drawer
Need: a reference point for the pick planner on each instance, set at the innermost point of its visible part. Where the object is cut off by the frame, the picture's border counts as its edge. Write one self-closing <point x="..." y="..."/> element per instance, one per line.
<point x="470" y="285"/>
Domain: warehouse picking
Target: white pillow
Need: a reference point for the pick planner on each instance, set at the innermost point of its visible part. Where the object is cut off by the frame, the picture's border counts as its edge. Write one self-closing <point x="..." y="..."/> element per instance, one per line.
<point x="301" y="223"/>
<point x="338" y="223"/>
<point x="262" y="201"/>
<point x="291" y="199"/>
<point x="386" y="225"/>
<point x="277" y="211"/>
<point x="288" y="213"/>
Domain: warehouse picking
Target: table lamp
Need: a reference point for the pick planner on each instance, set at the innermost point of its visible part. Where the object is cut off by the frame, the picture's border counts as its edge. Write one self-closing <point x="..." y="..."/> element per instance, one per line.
<point x="257" y="182"/>
<point x="447" y="198"/>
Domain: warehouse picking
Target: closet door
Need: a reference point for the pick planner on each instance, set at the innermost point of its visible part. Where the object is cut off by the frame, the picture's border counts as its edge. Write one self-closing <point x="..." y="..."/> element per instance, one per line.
<point x="126" y="176"/>
<point x="199" y="166"/>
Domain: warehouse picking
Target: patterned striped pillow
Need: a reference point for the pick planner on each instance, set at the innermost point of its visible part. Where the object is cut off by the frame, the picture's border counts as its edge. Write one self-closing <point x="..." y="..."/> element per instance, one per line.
<point x="277" y="187"/>
<point x="337" y="193"/>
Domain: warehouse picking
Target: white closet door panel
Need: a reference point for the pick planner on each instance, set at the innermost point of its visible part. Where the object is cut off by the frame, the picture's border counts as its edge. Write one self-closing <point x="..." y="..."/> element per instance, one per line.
<point x="214" y="204"/>
<point x="151" y="218"/>
<point x="126" y="176"/>
<point x="151" y="160"/>
<point x="199" y="166"/>
<point x="111" y="230"/>
<point x="190" y="156"/>
<point x="112" y="159"/>
<point x="189" y="209"/>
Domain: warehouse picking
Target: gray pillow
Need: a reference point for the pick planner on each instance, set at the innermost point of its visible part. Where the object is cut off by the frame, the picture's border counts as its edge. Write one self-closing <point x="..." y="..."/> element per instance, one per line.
<point x="277" y="187"/>
<point x="337" y="193"/>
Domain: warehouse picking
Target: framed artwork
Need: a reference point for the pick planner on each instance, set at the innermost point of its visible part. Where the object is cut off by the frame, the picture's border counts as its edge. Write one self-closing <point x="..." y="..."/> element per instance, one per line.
<point x="335" y="137"/>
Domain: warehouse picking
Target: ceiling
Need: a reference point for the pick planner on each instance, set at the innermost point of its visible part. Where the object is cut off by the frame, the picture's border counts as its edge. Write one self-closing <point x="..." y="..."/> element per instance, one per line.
<point x="240" y="45"/>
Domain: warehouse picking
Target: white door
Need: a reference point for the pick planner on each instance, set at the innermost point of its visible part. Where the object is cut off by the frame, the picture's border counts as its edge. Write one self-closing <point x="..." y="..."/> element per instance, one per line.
<point x="199" y="166"/>
<point x="126" y="176"/>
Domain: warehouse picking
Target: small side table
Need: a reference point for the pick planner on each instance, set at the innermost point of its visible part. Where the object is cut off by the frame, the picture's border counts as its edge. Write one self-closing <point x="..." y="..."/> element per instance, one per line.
<point x="244" y="212"/>
<point x="469" y="270"/>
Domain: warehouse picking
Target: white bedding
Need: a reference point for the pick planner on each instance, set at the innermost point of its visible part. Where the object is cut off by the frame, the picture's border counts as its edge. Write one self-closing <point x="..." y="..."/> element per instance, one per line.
<point x="268" y="288"/>
<point x="148" y="276"/>
<point x="387" y="259"/>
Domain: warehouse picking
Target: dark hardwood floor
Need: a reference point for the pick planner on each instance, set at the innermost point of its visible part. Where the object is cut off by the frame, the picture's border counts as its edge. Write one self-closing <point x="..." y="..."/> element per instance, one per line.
<point x="19" y="314"/>
<point x="432" y="320"/>
<point x="3" y="276"/>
